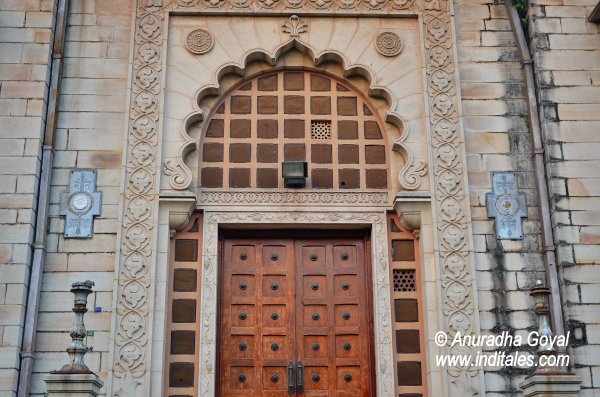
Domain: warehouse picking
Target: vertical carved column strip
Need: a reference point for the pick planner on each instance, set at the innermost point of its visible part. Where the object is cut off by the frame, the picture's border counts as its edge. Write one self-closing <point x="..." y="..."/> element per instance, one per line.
<point x="131" y="358"/>
<point x="451" y="202"/>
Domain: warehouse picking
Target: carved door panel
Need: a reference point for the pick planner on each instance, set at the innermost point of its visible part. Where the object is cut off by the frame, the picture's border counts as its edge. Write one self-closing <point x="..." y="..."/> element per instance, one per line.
<point x="298" y="301"/>
<point x="332" y="320"/>
<point x="257" y="317"/>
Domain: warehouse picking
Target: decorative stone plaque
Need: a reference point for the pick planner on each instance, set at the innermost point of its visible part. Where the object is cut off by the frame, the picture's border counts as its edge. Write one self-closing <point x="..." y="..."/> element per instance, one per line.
<point x="80" y="204"/>
<point x="507" y="206"/>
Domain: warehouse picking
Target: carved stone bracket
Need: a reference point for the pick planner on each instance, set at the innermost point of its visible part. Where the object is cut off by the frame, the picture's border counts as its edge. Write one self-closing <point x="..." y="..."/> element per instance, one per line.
<point x="179" y="208"/>
<point x="411" y="209"/>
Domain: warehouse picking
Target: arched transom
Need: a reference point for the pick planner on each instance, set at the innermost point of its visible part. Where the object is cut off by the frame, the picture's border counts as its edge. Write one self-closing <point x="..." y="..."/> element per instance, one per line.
<point x="294" y="115"/>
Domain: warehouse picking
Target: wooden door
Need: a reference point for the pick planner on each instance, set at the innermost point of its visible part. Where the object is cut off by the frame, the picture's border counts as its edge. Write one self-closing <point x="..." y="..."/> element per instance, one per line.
<point x="304" y="302"/>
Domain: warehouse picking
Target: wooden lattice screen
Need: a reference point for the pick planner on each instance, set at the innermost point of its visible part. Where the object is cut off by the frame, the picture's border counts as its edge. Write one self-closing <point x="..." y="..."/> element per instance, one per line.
<point x="407" y="313"/>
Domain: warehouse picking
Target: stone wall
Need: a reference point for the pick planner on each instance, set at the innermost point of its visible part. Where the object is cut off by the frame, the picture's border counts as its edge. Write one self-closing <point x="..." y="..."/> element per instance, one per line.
<point x="25" y="37"/>
<point x="497" y="139"/>
<point x="90" y="131"/>
<point x="567" y="64"/>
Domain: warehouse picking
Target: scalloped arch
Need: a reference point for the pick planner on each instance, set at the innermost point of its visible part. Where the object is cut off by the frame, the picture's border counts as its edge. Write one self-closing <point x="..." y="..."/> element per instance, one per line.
<point x="410" y="175"/>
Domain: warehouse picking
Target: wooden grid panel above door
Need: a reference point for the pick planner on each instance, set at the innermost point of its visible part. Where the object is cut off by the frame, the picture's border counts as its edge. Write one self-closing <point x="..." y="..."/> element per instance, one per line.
<point x="294" y="116"/>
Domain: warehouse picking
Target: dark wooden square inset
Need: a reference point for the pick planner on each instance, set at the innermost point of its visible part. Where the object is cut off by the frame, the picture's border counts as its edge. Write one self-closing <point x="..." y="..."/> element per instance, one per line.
<point x="407" y="341"/>
<point x="293" y="128"/>
<point x="348" y="154"/>
<point x="186" y="250"/>
<point x="239" y="129"/>
<point x="239" y="177"/>
<point x="349" y="179"/>
<point x="246" y="87"/>
<point x="409" y="373"/>
<point x="183" y="342"/>
<point x="215" y="128"/>
<point x="184" y="280"/>
<point x="239" y="152"/>
<point x="367" y="111"/>
<point x="372" y="130"/>
<point x="266" y="153"/>
<point x="406" y="310"/>
<point x="293" y="81"/>
<point x="211" y="177"/>
<point x="220" y="109"/>
<point x="294" y="152"/>
<point x="341" y="88"/>
<point x="346" y="106"/>
<point x="266" y="178"/>
<point x="347" y="129"/>
<point x="320" y="154"/>
<point x="375" y="154"/>
<point x="320" y="105"/>
<point x="267" y="104"/>
<point x="268" y="83"/>
<point x="241" y="104"/>
<point x="403" y="250"/>
<point x="212" y="152"/>
<point x="184" y="311"/>
<point x="293" y="104"/>
<point x="376" y="179"/>
<point x="266" y="129"/>
<point x="322" y="179"/>
<point x="181" y="375"/>
<point x="319" y="83"/>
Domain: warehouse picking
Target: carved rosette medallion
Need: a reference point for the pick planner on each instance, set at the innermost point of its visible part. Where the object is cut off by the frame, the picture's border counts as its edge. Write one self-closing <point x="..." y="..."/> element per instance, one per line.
<point x="388" y="44"/>
<point x="199" y="41"/>
<point x="133" y="315"/>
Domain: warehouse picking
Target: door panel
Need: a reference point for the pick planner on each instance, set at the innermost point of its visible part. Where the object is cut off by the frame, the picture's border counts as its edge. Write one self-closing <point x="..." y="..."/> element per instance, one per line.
<point x="256" y="325"/>
<point x="334" y="345"/>
<point x="295" y="301"/>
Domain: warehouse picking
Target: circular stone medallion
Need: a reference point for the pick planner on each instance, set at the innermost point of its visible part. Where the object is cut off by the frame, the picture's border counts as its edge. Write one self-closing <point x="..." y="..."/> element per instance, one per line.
<point x="507" y="204"/>
<point x="199" y="41"/>
<point x="388" y="44"/>
<point x="80" y="202"/>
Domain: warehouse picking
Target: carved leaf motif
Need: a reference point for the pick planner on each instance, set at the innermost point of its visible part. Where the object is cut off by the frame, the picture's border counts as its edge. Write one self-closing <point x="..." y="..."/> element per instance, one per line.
<point x="132" y="323"/>
<point x="295" y="26"/>
<point x="181" y="176"/>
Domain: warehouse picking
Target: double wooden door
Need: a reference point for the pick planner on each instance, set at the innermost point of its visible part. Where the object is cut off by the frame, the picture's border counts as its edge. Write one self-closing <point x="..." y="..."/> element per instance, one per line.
<point x="294" y="318"/>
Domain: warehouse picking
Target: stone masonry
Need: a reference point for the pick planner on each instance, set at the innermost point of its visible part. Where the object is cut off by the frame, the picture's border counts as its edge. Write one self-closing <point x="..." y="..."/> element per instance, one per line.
<point x="25" y="37"/>
<point x="566" y="49"/>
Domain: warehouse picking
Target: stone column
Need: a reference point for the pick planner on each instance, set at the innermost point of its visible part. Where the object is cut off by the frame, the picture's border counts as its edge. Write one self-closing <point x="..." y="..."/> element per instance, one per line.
<point x="548" y="381"/>
<point x="75" y="379"/>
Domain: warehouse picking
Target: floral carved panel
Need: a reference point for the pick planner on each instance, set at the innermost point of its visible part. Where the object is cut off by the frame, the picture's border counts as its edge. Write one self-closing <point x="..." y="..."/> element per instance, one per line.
<point x="131" y="354"/>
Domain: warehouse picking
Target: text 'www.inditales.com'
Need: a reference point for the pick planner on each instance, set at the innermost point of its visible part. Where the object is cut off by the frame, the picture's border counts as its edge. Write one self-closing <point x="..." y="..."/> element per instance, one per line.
<point x="503" y="350"/>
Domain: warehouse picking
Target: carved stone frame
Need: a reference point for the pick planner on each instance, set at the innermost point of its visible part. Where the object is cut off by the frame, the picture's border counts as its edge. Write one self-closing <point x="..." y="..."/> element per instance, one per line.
<point x="138" y="294"/>
<point x="380" y="269"/>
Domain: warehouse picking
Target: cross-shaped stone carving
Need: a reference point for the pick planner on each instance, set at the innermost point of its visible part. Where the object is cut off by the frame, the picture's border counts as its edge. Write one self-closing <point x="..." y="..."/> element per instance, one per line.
<point x="506" y="205"/>
<point x="80" y="204"/>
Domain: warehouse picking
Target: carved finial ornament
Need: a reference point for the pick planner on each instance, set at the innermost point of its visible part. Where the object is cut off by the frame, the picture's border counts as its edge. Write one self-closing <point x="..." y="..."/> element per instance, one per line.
<point x="199" y="41"/>
<point x="388" y="44"/>
<point x="295" y="26"/>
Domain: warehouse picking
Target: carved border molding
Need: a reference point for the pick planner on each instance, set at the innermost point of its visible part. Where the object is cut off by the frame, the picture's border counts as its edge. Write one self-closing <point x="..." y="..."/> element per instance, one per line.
<point x="381" y="285"/>
<point x="134" y="294"/>
<point x="240" y="197"/>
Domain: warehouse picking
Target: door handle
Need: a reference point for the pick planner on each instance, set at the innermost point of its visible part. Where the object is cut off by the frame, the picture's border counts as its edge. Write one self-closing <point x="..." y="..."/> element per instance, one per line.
<point x="291" y="379"/>
<point x="300" y="384"/>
